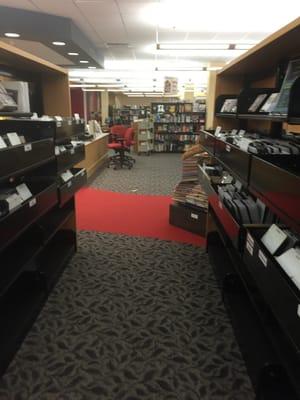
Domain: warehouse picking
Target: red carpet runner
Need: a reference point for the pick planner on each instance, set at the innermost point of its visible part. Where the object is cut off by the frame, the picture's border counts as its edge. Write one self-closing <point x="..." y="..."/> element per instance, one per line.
<point x="130" y="214"/>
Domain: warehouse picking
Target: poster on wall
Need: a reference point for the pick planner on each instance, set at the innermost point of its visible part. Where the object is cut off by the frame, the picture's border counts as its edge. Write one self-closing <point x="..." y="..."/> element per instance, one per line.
<point x="171" y="85"/>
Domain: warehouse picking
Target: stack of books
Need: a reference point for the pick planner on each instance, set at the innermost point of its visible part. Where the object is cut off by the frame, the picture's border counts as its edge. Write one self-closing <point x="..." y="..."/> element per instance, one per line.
<point x="182" y="190"/>
<point x="188" y="191"/>
<point x="190" y="169"/>
<point x="197" y="197"/>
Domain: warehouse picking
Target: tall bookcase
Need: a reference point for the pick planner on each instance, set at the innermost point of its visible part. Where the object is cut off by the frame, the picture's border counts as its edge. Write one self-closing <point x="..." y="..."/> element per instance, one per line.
<point x="262" y="300"/>
<point x="38" y="236"/>
<point x="175" y="126"/>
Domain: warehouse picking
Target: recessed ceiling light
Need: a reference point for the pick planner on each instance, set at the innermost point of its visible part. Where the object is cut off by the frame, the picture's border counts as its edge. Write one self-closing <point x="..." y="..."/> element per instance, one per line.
<point x="12" y="35"/>
<point x="92" y="67"/>
<point x="59" y="43"/>
<point x="84" y="61"/>
<point x="73" y="54"/>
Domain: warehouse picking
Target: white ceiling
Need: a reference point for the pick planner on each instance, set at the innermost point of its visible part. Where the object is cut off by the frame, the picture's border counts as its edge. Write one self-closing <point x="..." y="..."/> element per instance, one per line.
<point x="127" y="30"/>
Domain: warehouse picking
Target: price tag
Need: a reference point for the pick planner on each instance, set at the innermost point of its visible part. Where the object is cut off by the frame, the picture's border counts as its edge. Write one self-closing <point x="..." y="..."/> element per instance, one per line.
<point x="32" y="202"/>
<point x="82" y="173"/>
<point x="58" y="124"/>
<point x="69" y="122"/>
<point x="72" y="151"/>
<point x="262" y="258"/>
<point x="249" y="248"/>
<point x="27" y="147"/>
<point x="228" y="148"/>
<point x="69" y="184"/>
<point x="194" y="216"/>
<point x="250" y="239"/>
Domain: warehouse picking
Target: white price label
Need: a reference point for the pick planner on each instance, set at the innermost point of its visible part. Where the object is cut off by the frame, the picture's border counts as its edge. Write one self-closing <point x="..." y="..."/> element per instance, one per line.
<point x="194" y="216"/>
<point x="58" y="124"/>
<point x="262" y="258"/>
<point x="249" y="248"/>
<point x="72" y="151"/>
<point x="69" y="122"/>
<point x="250" y="239"/>
<point x="32" y="202"/>
<point x="69" y="184"/>
<point x="228" y="148"/>
<point x="82" y="173"/>
<point x="27" y="147"/>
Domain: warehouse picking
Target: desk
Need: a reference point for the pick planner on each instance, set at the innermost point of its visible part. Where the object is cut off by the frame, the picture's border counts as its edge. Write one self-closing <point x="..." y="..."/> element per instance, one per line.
<point x="95" y="154"/>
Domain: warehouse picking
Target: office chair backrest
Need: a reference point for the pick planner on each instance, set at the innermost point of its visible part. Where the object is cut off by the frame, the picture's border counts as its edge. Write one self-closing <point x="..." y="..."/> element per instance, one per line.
<point x="129" y="136"/>
<point x="119" y="130"/>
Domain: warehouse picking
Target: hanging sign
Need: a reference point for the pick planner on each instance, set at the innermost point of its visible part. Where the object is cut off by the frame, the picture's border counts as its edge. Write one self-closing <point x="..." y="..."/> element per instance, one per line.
<point x="171" y="85"/>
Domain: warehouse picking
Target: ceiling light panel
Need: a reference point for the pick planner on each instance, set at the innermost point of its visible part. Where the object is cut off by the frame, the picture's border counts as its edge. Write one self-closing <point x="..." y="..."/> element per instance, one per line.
<point x="184" y="15"/>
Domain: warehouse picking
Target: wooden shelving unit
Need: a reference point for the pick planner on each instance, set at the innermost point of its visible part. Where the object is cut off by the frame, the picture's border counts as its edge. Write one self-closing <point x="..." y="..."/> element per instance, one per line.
<point x="39" y="236"/>
<point x="264" y="292"/>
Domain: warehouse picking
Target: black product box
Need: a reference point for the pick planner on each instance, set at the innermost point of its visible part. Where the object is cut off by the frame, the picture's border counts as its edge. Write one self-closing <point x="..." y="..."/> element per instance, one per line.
<point x="277" y="289"/>
<point x="187" y="217"/>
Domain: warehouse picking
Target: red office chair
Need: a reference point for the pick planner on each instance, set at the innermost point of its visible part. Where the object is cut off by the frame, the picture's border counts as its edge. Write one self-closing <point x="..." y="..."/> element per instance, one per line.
<point x="121" y="145"/>
<point x="118" y="130"/>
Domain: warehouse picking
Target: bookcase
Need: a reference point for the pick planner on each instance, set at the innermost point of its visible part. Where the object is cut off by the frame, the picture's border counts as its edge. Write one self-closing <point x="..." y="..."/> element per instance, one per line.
<point x="175" y="126"/>
<point x="261" y="299"/>
<point x="143" y="136"/>
<point x="38" y="234"/>
<point x="128" y="114"/>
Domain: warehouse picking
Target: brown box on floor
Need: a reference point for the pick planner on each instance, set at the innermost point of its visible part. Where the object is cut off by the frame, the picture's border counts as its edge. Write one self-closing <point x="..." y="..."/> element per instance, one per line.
<point x="188" y="218"/>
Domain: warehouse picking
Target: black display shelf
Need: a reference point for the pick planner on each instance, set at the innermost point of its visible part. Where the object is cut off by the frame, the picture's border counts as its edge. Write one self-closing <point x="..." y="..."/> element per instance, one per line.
<point x="16" y="160"/>
<point x="18" y="310"/>
<point x="70" y="157"/>
<point x="233" y="158"/>
<point x="265" y="351"/>
<point x="264" y="269"/>
<point x="21" y="253"/>
<point x="264" y="117"/>
<point x="276" y="181"/>
<point x="56" y="255"/>
<point x="67" y="129"/>
<point x="13" y="114"/>
<point x="18" y="220"/>
<point x="32" y="130"/>
<point x="67" y="190"/>
<point x="226" y="115"/>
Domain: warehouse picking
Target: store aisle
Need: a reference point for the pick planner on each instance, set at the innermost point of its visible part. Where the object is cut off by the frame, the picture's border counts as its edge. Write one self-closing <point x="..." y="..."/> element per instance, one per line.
<point x="154" y="175"/>
<point x="132" y="318"/>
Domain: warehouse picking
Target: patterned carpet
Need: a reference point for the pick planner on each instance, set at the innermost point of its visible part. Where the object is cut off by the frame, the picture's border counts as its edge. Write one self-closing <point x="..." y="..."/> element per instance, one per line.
<point x="132" y="318"/>
<point x="143" y="322"/>
<point x="156" y="174"/>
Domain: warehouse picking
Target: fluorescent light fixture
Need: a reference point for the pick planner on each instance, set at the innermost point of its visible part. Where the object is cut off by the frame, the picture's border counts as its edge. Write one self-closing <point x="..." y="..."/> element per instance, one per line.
<point x="180" y="69"/>
<point x="93" y="90"/>
<point x="192" y="46"/>
<point x="82" y="86"/>
<point x="109" y="85"/>
<point x="92" y="67"/>
<point x="84" y="62"/>
<point x="12" y="35"/>
<point x="136" y="95"/>
<point x="59" y="43"/>
<point x="243" y="46"/>
<point x="73" y="54"/>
